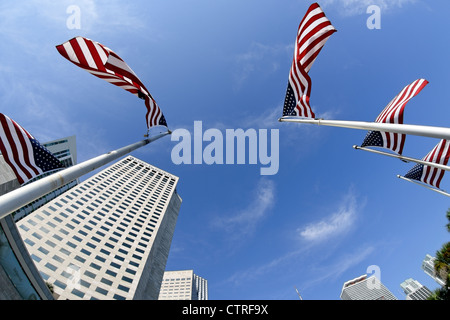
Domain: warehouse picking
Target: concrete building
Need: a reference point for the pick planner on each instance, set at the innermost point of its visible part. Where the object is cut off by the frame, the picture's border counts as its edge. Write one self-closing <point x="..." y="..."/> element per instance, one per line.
<point x="19" y="277"/>
<point x="414" y="290"/>
<point x="183" y="285"/>
<point x="109" y="236"/>
<point x="365" y="288"/>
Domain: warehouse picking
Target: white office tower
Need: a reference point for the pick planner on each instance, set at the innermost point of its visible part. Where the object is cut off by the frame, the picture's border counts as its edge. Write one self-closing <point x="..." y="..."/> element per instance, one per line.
<point x="414" y="290"/>
<point x="183" y="285"/>
<point x="108" y="237"/>
<point x="365" y="288"/>
<point x="428" y="267"/>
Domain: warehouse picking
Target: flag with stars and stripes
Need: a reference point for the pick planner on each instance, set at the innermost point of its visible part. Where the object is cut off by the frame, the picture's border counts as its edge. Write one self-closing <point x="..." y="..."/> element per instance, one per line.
<point x="23" y="153"/>
<point x="105" y="64"/>
<point x="313" y="31"/>
<point x="393" y="113"/>
<point x="431" y="175"/>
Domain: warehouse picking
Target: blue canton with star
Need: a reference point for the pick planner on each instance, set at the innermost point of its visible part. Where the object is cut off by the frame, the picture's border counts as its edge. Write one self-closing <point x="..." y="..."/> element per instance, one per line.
<point x="289" y="102"/>
<point x="43" y="158"/>
<point x="415" y="173"/>
<point x="373" y="138"/>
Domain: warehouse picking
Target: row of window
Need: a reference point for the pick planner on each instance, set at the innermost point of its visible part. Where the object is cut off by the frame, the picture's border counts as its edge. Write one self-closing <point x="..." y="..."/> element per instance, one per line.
<point x="83" y="215"/>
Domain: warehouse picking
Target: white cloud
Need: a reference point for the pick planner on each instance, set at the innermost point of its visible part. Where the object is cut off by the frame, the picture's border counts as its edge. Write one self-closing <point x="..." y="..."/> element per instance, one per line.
<point x="333" y="225"/>
<point x="344" y="263"/>
<point x="356" y="7"/>
<point x="245" y="221"/>
<point x="259" y="58"/>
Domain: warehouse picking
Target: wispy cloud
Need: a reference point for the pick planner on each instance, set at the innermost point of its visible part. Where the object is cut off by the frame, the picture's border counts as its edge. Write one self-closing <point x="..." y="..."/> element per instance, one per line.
<point x="259" y="58"/>
<point x="356" y="7"/>
<point x="338" y="267"/>
<point x="338" y="223"/>
<point x="245" y="221"/>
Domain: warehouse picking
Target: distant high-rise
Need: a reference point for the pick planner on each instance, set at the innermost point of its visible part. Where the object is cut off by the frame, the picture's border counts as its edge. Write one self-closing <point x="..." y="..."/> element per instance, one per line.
<point x="414" y="290"/>
<point x="428" y="267"/>
<point x="109" y="236"/>
<point x="64" y="149"/>
<point x="365" y="288"/>
<point x="183" y="285"/>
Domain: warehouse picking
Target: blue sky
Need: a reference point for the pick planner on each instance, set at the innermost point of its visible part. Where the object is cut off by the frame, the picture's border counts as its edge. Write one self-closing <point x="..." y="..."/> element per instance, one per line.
<point x="330" y="212"/>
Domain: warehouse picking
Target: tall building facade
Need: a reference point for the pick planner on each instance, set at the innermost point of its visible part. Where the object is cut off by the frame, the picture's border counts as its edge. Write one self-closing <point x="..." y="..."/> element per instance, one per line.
<point x="109" y="236"/>
<point x="414" y="290"/>
<point x="365" y="288"/>
<point x="428" y="268"/>
<point x="19" y="277"/>
<point x="183" y="285"/>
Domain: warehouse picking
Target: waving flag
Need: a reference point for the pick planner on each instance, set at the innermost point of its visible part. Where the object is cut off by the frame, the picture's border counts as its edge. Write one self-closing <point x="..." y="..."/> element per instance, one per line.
<point x="393" y="113"/>
<point x="104" y="63"/>
<point x="313" y="31"/>
<point x="430" y="175"/>
<point x="23" y="153"/>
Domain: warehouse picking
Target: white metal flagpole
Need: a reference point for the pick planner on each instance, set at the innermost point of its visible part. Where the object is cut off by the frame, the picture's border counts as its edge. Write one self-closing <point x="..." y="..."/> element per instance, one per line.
<point x="298" y="293"/>
<point x="17" y="198"/>
<point x="403" y="158"/>
<point x="425" y="186"/>
<point x="418" y="130"/>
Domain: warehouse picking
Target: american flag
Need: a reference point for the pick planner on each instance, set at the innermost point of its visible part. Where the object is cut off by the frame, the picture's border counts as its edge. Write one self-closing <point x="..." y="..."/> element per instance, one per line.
<point x="313" y="31"/>
<point x="393" y="113"/>
<point x="23" y="153"/>
<point x="431" y="175"/>
<point x="104" y="63"/>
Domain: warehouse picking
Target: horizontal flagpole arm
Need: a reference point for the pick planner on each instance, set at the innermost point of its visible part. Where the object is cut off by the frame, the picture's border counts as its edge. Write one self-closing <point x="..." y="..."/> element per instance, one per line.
<point x="17" y="198"/>
<point x="426" y="163"/>
<point x="418" y="130"/>
<point x="425" y="186"/>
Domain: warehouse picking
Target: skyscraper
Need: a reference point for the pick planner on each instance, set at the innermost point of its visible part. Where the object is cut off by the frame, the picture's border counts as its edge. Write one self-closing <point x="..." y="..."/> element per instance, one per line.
<point x="414" y="290"/>
<point x="365" y="288"/>
<point x="108" y="237"/>
<point x="183" y="285"/>
<point x="428" y="267"/>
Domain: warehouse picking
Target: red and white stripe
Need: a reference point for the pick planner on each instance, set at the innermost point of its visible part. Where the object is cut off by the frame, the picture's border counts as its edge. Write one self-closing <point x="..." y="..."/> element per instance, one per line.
<point x="393" y="113"/>
<point x="105" y="64"/>
<point x="440" y="154"/>
<point x="314" y="30"/>
<point x="16" y="149"/>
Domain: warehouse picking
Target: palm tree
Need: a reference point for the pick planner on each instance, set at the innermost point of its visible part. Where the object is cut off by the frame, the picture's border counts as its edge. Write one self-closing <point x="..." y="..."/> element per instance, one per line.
<point x="442" y="268"/>
<point x="448" y="217"/>
<point x="442" y="262"/>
